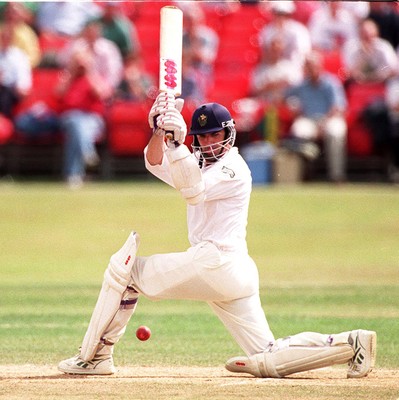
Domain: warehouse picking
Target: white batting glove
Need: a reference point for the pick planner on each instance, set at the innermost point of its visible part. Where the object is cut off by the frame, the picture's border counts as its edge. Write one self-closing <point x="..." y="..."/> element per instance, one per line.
<point x="179" y="104"/>
<point x="171" y="121"/>
<point x="163" y="102"/>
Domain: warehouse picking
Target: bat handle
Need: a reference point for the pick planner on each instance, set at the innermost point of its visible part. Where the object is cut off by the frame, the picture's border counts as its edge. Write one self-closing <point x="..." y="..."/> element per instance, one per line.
<point x="168" y="134"/>
<point x="154" y="118"/>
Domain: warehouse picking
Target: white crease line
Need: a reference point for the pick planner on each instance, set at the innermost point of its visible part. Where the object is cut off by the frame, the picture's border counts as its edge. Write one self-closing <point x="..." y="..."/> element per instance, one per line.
<point x="235" y="383"/>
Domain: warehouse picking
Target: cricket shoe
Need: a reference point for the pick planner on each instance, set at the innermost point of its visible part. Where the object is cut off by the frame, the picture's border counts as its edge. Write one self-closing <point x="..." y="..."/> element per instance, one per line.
<point x="99" y="365"/>
<point x="364" y="345"/>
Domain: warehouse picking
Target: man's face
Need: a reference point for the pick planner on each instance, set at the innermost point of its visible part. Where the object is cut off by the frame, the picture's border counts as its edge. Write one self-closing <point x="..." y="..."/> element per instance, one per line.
<point x="210" y="144"/>
<point x="313" y="68"/>
<point x="92" y="32"/>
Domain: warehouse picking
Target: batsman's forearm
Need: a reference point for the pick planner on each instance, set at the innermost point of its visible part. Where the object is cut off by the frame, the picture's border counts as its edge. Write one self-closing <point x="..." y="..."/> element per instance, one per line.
<point x="155" y="150"/>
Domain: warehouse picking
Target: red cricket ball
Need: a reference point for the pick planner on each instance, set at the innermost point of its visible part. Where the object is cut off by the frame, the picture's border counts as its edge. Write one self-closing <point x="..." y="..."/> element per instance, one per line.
<point x="143" y="333"/>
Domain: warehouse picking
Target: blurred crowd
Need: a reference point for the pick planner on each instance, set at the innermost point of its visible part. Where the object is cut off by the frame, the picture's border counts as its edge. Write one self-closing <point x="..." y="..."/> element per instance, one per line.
<point x="363" y="37"/>
<point x="98" y="51"/>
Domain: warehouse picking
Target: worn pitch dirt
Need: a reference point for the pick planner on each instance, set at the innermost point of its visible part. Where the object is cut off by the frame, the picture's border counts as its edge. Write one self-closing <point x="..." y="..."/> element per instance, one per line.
<point x="143" y="382"/>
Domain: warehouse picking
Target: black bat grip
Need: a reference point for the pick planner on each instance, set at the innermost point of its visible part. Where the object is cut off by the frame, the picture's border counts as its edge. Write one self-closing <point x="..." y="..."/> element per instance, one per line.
<point x="169" y="134"/>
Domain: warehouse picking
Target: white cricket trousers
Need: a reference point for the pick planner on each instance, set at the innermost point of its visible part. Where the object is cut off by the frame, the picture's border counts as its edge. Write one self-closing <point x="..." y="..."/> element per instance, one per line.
<point x="228" y="282"/>
<point x="334" y="134"/>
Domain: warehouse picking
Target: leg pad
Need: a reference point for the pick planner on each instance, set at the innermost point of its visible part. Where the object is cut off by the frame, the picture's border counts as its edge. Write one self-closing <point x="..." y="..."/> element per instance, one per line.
<point x="277" y="363"/>
<point x="298" y="359"/>
<point x="115" y="283"/>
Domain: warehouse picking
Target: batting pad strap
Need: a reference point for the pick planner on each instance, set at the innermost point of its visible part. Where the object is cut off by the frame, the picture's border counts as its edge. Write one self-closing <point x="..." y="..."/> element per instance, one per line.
<point x="266" y="366"/>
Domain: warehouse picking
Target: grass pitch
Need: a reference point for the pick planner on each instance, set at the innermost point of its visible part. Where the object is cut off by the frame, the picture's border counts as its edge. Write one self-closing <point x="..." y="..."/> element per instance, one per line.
<point x="328" y="259"/>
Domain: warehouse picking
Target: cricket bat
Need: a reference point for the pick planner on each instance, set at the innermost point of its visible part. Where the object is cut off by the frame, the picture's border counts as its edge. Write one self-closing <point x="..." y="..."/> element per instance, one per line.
<point x="170" y="52"/>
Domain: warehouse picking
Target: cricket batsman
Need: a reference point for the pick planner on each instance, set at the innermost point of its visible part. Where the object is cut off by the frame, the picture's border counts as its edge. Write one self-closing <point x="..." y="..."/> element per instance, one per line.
<point x="216" y="184"/>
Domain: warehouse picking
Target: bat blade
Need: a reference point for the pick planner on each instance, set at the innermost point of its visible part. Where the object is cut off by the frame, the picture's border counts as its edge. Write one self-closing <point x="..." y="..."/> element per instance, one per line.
<point x="170" y="50"/>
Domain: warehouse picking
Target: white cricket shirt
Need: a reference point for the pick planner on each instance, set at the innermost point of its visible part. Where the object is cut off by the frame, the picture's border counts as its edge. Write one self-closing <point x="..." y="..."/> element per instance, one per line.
<point x="222" y="217"/>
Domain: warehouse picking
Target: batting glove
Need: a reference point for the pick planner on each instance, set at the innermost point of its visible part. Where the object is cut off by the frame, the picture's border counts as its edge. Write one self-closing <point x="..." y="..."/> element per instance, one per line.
<point x="172" y="122"/>
<point x="179" y="104"/>
<point x="163" y="102"/>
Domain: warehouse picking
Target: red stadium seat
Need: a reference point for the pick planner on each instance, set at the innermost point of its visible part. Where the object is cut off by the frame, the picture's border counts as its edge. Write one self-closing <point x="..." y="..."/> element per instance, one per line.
<point x="333" y="63"/>
<point x="6" y="129"/>
<point x="43" y="84"/>
<point x="238" y="53"/>
<point x="43" y="87"/>
<point x="359" y="142"/>
<point x="52" y="42"/>
<point x="148" y="34"/>
<point x="128" y="131"/>
<point x="359" y="96"/>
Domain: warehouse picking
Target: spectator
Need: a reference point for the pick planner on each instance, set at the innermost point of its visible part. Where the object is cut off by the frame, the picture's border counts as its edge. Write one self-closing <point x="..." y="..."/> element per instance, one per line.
<point x="58" y="23"/>
<point x="304" y="10"/>
<point x="369" y="58"/>
<point x="194" y="82"/>
<point x="39" y="120"/>
<point x="381" y="116"/>
<point x="136" y="84"/>
<point x="199" y="40"/>
<point x="93" y="70"/>
<point x="106" y="55"/>
<point x="224" y="7"/>
<point x="318" y="104"/>
<point x="23" y="35"/>
<point x="15" y="81"/>
<point x="28" y="11"/>
<point x="65" y="18"/>
<point x="331" y="26"/>
<point x="295" y="35"/>
<point x="386" y="15"/>
<point x="392" y="102"/>
<point x="359" y="9"/>
<point x="119" y="29"/>
<point x="268" y="82"/>
<point x="273" y="74"/>
<point x="15" y="73"/>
